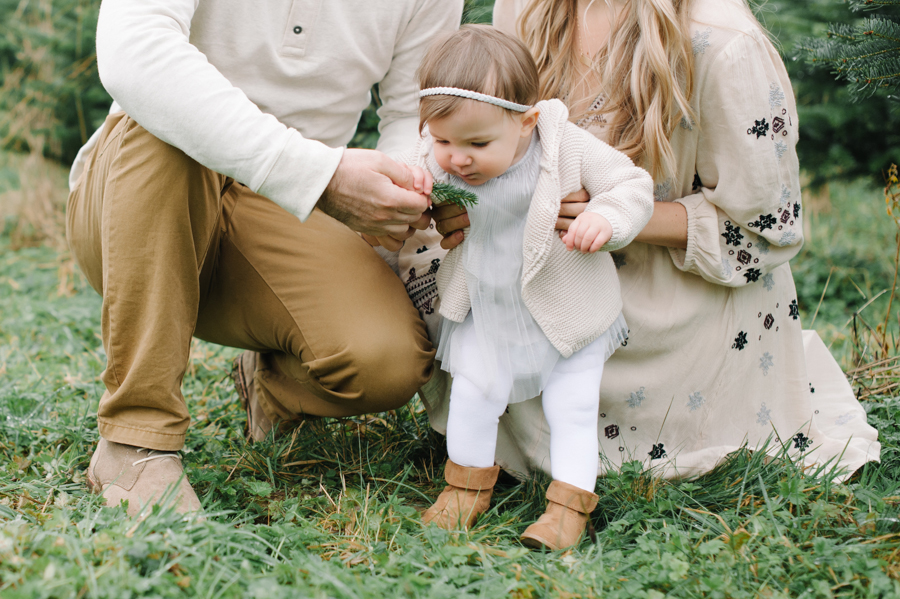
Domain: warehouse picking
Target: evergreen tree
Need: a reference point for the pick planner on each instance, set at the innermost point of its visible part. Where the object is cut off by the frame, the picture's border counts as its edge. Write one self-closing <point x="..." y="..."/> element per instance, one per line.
<point x="864" y="54"/>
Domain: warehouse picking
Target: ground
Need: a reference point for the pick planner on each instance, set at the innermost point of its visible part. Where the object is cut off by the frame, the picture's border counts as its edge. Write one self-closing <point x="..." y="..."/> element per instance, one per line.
<point x="332" y="510"/>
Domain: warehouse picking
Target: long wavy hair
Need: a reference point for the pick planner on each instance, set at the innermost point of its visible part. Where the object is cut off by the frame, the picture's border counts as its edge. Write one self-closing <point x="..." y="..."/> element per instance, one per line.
<point x="646" y="71"/>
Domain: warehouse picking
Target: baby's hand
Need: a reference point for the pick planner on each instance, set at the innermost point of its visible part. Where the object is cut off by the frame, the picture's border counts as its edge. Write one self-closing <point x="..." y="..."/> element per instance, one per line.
<point x="422" y="180"/>
<point x="588" y="233"/>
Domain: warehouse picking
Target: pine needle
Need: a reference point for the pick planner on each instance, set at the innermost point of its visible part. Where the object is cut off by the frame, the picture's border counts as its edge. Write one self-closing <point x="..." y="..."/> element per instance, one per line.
<point x="441" y="193"/>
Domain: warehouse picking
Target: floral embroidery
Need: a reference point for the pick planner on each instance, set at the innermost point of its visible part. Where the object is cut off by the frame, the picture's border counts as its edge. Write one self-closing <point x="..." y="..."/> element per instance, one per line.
<point x="762" y="244"/>
<point x="780" y="149"/>
<point x="744" y="257"/>
<point x="752" y="275"/>
<point x="768" y="281"/>
<point x="765" y="221"/>
<point x="764" y="415"/>
<point x="658" y="451"/>
<point x="766" y="362"/>
<point x="740" y="342"/>
<point x="662" y="191"/>
<point x="785" y="199"/>
<point x="796" y="209"/>
<point x="618" y="260"/>
<point x="787" y="238"/>
<point x="697" y="184"/>
<point x="686" y="124"/>
<point x="759" y="128"/>
<point x="700" y="41"/>
<point x="422" y="289"/>
<point x="802" y="442"/>
<point x="611" y="431"/>
<point x="422" y="249"/>
<point x="732" y="234"/>
<point x="769" y="321"/>
<point x="695" y="401"/>
<point x="726" y="268"/>
<point x="844" y="418"/>
<point x="636" y="398"/>
<point x="777" y="124"/>
<point x="794" y="310"/>
<point x="593" y="116"/>
<point x="776" y="96"/>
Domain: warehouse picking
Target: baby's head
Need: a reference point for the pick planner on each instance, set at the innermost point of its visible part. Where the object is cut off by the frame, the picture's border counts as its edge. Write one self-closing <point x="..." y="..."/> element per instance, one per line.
<point x="478" y="140"/>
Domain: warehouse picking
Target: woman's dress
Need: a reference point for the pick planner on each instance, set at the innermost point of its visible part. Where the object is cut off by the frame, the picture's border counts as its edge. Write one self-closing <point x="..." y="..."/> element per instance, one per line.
<point x="716" y="357"/>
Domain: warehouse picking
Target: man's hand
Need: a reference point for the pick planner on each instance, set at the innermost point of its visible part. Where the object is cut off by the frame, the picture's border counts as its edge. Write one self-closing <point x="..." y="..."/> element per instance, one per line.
<point x="588" y="233"/>
<point x="374" y="195"/>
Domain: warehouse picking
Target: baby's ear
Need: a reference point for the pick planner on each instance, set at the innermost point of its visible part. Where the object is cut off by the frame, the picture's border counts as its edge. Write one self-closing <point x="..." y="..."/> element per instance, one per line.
<point x="529" y="120"/>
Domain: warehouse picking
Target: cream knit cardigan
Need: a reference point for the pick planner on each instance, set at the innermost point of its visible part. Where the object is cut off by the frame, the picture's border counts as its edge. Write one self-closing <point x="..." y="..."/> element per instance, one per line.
<point x="574" y="297"/>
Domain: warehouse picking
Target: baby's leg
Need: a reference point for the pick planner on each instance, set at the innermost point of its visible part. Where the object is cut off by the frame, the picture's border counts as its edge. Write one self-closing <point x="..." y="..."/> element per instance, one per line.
<point x="472" y="424"/>
<point x="571" y="402"/>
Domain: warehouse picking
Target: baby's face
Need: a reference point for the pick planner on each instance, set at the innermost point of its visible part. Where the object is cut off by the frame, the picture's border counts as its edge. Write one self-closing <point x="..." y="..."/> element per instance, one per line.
<point x="480" y="141"/>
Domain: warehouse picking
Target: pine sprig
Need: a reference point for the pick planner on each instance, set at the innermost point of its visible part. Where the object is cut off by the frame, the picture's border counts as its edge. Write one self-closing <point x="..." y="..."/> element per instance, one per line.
<point x="442" y="193"/>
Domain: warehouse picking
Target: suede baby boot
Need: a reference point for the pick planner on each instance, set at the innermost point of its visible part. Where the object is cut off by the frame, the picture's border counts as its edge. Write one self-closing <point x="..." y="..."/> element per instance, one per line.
<point x="565" y="519"/>
<point x="466" y="496"/>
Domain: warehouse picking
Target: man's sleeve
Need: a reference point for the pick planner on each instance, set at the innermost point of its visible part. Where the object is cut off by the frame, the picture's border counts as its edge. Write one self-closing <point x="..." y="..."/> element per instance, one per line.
<point x="399" y="125"/>
<point x="148" y="65"/>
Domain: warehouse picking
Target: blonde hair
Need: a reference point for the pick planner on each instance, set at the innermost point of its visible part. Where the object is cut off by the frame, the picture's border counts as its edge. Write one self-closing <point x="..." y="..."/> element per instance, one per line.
<point x="649" y="49"/>
<point x="481" y="59"/>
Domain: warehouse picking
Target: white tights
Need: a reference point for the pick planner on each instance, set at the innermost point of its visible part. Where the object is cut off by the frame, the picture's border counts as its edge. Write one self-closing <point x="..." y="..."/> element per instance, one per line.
<point x="571" y="400"/>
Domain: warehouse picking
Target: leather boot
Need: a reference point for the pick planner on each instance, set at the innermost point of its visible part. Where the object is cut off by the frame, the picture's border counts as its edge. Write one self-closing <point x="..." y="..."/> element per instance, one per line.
<point x="258" y="424"/>
<point x="141" y="476"/>
<point x="561" y="525"/>
<point x="466" y="496"/>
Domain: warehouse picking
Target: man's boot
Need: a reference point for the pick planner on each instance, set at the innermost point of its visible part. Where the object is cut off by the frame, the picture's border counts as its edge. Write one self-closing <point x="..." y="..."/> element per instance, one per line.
<point x="561" y="525"/>
<point x="258" y="424"/>
<point x="142" y="476"/>
<point x="466" y="496"/>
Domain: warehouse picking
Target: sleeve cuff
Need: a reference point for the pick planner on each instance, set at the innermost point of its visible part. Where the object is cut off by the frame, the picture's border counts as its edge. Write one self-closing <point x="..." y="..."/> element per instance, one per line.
<point x="618" y="239"/>
<point x="686" y="259"/>
<point x="301" y="173"/>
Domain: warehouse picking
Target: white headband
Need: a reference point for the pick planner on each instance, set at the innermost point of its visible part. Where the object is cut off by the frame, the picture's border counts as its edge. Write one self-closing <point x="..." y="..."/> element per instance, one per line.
<point x="465" y="93"/>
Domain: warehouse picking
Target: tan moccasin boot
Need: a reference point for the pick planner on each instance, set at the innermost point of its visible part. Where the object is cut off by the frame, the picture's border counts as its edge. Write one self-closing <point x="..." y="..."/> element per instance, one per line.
<point x="466" y="496"/>
<point x="142" y="476"/>
<point x="564" y="521"/>
<point x="258" y="424"/>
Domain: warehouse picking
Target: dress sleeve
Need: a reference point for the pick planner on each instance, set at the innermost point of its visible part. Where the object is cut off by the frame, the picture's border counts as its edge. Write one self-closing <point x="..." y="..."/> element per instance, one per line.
<point x="745" y="217"/>
<point x="399" y="124"/>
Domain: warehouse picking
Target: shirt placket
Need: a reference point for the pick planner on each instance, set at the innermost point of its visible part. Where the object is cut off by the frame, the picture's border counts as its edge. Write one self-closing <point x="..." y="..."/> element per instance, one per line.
<point x="300" y="26"/>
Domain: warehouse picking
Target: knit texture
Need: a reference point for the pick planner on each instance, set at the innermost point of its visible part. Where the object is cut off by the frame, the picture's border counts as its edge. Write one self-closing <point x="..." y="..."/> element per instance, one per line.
<point x="574" y="297"/>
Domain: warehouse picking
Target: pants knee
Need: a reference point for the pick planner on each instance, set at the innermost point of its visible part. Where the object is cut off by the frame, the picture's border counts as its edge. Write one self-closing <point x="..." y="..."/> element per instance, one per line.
<point x="379" y="377"/>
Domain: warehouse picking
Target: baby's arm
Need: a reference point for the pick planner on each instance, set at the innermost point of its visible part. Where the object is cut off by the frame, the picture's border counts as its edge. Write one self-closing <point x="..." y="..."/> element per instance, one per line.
<point x="621" y="194"/>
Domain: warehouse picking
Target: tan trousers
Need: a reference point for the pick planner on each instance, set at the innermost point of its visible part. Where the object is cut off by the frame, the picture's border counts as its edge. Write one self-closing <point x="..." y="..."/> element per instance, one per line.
<point x="177" y="250"/>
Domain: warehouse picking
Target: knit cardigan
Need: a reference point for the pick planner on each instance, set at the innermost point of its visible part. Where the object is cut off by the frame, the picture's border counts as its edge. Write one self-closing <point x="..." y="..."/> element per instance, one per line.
<point x="574" y="297"/>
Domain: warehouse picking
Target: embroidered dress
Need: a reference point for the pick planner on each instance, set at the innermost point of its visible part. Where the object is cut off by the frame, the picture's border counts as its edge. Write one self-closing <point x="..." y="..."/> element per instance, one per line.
<point x="499" y="346"/>
<point x="716" y="358"/>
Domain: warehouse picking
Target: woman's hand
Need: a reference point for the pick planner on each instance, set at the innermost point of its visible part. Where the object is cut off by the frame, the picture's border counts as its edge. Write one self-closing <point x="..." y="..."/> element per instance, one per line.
<point x="449" y="221"/>
<point x="570" y="207"/>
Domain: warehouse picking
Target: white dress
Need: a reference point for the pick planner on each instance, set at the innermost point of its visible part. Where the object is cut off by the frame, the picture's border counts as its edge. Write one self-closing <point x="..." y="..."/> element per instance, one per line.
<point x="499" y="346"/>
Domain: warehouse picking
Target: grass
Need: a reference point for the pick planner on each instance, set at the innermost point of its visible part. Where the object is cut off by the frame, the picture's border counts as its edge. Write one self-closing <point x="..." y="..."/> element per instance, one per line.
<point x="332" y="510"/>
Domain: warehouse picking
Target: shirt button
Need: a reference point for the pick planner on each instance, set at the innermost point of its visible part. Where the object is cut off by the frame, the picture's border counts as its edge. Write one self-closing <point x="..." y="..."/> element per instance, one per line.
<point x="298" y="30"/>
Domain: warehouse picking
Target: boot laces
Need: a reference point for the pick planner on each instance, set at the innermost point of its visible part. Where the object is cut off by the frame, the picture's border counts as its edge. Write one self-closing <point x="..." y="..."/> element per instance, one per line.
<point x="153" y="454"/>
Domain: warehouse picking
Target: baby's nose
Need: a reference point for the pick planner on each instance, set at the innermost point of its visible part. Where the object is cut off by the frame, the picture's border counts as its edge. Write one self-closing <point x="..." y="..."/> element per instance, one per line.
<point x="461" y="159"/>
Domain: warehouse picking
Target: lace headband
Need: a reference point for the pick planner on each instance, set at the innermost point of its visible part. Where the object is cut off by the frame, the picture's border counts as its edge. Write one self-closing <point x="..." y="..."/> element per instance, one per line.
<point x="465" y="93"/>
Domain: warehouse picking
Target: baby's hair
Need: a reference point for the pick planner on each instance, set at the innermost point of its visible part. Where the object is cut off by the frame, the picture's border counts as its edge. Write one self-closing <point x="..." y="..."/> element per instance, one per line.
<point x="481" y="59"/>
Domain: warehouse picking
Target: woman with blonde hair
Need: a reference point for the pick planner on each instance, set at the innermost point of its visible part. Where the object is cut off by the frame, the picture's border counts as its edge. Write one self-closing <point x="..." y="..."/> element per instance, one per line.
<point x="716" y="359"/>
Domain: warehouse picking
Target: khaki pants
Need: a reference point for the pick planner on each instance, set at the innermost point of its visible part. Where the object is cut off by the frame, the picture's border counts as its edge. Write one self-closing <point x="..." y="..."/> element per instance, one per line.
<point x="177" y="250"/>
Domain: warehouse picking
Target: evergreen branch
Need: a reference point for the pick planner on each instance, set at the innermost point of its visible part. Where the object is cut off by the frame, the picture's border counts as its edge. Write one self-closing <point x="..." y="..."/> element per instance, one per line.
<point x="442" y="193"/>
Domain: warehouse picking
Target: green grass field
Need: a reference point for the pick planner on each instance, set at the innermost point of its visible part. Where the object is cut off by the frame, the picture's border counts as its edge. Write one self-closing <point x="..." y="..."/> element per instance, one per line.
<point x="332" y="510"/>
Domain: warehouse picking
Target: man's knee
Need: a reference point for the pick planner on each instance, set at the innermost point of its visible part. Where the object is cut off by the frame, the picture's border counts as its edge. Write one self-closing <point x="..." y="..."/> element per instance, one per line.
<point x="379" y="376"/>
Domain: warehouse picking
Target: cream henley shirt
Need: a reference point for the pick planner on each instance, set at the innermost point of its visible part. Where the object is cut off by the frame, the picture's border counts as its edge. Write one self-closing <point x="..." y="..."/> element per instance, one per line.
<point x="267" y="92"/>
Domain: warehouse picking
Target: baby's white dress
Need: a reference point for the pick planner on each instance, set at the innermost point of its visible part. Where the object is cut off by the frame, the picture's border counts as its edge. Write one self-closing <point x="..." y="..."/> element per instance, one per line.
<point x="499" y="346"/>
